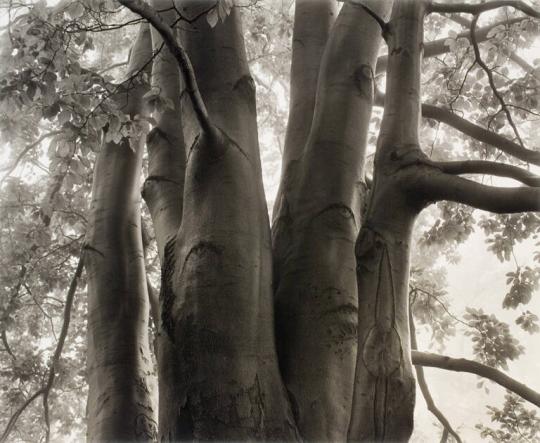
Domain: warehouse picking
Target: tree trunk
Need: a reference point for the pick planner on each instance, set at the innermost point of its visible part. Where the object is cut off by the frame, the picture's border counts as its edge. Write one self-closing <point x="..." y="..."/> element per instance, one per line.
<point x="217" y="294"/>
<point x="120" y="400"/>
<point x="316" y="225"/>
<point x="384" y="392"/>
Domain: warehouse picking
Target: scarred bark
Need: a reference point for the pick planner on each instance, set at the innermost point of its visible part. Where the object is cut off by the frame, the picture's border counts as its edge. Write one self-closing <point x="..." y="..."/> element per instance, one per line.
<point x="384" y="391"/>
<point x="120" y="405"/>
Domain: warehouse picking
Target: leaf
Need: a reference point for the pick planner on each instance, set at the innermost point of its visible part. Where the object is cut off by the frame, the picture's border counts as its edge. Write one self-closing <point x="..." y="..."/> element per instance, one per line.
<point x="212" y="17"/>
<point x="75" y="10"/>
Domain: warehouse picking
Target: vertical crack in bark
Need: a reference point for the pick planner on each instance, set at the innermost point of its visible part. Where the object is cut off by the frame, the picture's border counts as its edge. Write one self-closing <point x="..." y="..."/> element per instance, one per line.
<point x="166" y="294"/>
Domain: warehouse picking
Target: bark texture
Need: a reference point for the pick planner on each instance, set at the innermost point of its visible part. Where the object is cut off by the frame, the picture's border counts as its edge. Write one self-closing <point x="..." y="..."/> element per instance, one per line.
<point x="163" y="192"/>
<point x="120" y="406"/>
<point x="216" y="295"/>
<point x="316" y="224"/>
<point x="384" y="391"/>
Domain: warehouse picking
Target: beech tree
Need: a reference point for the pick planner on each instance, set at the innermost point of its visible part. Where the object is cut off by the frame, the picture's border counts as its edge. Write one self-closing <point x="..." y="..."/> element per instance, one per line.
<point x="203" y="318"/>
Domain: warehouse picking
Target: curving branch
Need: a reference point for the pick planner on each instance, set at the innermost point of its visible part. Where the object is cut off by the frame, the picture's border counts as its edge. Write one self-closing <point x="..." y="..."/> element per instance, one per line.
<point x="25" y="151"/>
<point x="489" y="74"/>
<point x="488" y="167"/>
<point x="437" y="185"/>
<point x="180" y="54"/>
<point x="474" y="367"/>
<point x="478" y="8"/>
<point x="46" y="388"/>
<point x="439" y="46"/>
<point x="475" y="131"/>
<point x="422" y="383"/>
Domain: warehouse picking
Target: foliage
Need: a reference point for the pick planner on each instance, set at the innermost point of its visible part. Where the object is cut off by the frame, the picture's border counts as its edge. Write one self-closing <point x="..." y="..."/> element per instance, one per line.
<point x="514" y="422"/>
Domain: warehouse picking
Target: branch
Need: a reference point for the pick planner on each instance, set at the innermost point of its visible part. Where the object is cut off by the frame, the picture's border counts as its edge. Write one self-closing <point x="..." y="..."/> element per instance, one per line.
<point x="46" y="389"/>
<point x="28" y="148"/>
<point x="422" y="383"/>
<point x="436" y="185"/>
<point x="475" y="131"/>
<point x="438" y="47"/>
<point x="179" y="53"/>
<point x="478" y="8"/>
<point x="488" y="167"/>
<point x="489" y="74"/>
<point x="473" y="367"/>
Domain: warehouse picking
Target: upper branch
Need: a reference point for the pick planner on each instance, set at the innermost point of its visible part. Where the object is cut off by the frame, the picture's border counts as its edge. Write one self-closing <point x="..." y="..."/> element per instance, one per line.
<point x="464" y="365"/>
<point x="478" y="8"/>
<point x="489" y="74"/>
<point x="145" y="11"/>
<point x="439" y="46"/>
<point x="478" y="132"/>
<point x="488" y="167"/>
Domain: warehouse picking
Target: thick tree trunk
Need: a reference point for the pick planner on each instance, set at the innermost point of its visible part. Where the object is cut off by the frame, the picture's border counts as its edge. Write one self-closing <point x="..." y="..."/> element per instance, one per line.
<point x="384" y="392"/>
<point x="217" y="295"/>
<point x="120" y="406"/>
<point x="315" y="228"/>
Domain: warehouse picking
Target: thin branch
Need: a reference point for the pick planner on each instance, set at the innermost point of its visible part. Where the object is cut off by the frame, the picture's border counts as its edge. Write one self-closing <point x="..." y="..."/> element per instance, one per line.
<point x="473" y="367"/>
<point x="488" y="167"/>
<point x="489" y="74"/>
<point x="179" y="53"/>
<point x="25" y="151"/>
<point x="478" y="8"/>
<point x="46" y="389"/>
<point x="422" y="383"/>
<point x="17" y="414"/>
<point x="475" y="131"/>
<point x="439" y="46"/>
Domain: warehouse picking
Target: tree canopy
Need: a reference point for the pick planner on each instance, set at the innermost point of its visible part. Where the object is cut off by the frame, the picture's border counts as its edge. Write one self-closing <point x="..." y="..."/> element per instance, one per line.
<point x="62" y="85"/>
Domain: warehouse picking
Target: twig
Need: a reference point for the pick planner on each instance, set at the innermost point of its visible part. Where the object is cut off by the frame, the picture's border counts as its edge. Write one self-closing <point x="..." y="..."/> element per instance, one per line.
<point x="489" y="74"/>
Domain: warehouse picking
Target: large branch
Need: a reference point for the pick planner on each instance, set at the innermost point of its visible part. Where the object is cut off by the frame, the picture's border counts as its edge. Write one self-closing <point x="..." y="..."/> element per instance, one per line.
<point x="145" y="11"/>
<point x="490" y="168"/>
<point x="481" y="134"/>
<point x="437" y="185"/>
<point x="473" y="367"/>
<point x="478" y="8"/>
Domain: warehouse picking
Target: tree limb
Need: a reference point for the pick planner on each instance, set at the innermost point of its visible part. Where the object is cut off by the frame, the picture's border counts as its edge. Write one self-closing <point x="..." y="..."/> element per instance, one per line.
<point x="422" y="383"/>
<point x="478" y="8"/>
<point x="488" y="167"/>
<point x="148" y="13"/>
<point x="475" y="131"/>
<point x="436" y="185"/>
<point x="438" y="47"/>
<point x="464" y="365"/>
